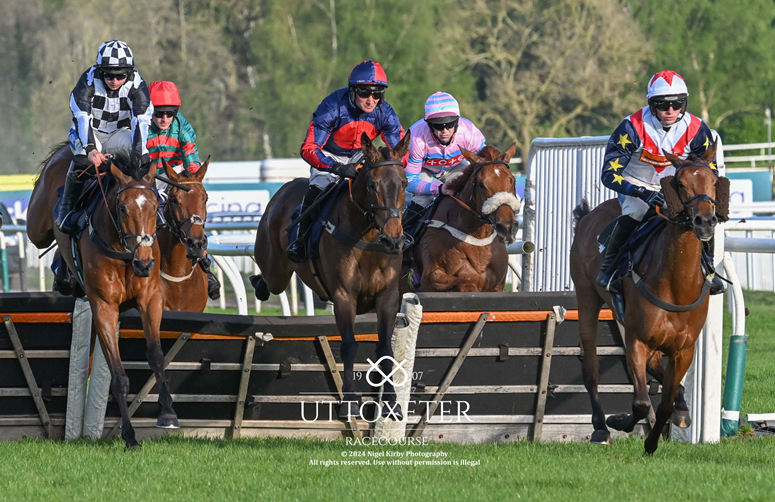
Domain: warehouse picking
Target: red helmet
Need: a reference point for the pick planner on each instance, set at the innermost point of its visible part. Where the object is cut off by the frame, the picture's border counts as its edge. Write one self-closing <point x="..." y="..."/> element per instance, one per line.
<point x="164" y="94"/>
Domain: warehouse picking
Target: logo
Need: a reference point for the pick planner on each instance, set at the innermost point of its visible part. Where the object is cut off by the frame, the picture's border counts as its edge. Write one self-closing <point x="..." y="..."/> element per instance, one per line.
<point x="386" y="378"/>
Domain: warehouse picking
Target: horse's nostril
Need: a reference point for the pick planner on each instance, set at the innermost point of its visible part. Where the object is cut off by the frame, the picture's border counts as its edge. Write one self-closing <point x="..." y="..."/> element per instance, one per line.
<point x="697" y="221"/>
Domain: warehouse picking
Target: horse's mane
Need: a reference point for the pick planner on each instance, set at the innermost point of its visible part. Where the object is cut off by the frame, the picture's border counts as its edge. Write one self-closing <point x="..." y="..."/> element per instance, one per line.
<point x="488" y="153"/>
<point x="125" y="165"/>
<point x="51" y="153"/>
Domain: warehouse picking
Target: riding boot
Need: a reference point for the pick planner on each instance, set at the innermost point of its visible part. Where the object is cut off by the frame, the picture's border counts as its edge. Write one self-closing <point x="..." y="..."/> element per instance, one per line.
<point x="620" y="235"/>
<point x="411" y="222"/>
<point x="72" y="190"/>
<point x="296" y="250"/>
<point x="213" y="285"/>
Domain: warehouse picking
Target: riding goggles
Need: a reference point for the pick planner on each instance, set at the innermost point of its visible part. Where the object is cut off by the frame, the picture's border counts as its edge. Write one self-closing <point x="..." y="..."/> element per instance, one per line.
<point x="165" y="113"/>
<point x="365" y="92"/>
<point x="446" y="125"/>
<point x="115" y="75"/>
<point x="664" y="106"/>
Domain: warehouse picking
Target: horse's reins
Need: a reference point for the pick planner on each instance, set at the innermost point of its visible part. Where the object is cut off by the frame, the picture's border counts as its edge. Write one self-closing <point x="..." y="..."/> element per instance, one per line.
<point x="483" y="217"/>
<point x="641" y="285"/>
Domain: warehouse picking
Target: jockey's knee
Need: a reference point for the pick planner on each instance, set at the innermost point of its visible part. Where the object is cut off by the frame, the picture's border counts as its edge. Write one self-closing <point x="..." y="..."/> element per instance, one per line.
<point x="633" y="207"/>
<point x="423" y="200"/>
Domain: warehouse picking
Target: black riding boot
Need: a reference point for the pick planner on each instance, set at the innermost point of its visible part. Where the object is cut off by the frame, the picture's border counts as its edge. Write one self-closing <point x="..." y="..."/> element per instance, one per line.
<point x="73" y="185"/>
<point x="625" y="225"/>
<point x="411" y="221"/>
<point x="213" y="285"/>
<point x="296" y="250"/>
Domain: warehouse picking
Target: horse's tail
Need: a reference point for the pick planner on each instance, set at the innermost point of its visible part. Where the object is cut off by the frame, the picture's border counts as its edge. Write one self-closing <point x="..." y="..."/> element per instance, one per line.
<point x="579" y="212"/>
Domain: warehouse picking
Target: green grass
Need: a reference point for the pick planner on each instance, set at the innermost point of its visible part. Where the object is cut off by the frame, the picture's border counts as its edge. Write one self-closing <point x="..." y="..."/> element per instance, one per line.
<point x="177" y="468"/>
<point x="271" y="469"/>
<point x="759" y="385"/>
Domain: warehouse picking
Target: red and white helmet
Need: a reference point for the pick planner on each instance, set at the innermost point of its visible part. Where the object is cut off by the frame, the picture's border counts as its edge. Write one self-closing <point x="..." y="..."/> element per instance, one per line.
<point x="667" y="83"/>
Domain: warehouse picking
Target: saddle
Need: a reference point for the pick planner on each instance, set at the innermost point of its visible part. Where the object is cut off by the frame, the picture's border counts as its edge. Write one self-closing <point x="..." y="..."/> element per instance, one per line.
<point x="633" y="253"/>
<point x="318" y="214"/>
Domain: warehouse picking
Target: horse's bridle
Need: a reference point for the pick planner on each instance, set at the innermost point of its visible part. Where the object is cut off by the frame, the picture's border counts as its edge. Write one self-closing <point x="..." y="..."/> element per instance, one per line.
<point x="687" y="220"/>
<point x="368" y="214"/>
<point x="142" y="240"/>
<point x="486" y="218"/>
<point x="176" y="229"/>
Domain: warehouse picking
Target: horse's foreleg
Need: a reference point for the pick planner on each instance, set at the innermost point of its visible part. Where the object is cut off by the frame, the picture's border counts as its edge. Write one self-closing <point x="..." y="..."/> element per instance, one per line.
<point x="681" y="416"/>
<point x="344" y="312"/>
<point x="387" y="308"/>
<point x="105" y="320"/>
<point x="150" y="310"/>
<point x="637" y="357"/>
<point x="676" y="369"/>
<point x="589" y="310"/>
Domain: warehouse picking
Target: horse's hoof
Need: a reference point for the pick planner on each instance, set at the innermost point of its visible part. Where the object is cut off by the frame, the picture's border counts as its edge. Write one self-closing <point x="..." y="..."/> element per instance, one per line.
<point x="260" y="287"/>
<point x="392" y="410"/>
<point x="681" y="418"/>
<point x="600" y="437"/>
<point x="168" y="422"/>
<point x="651" y="448"/>
<point x="616" y="421"/>
<point x="351" y="409"/>
<point x="133" y="446"/>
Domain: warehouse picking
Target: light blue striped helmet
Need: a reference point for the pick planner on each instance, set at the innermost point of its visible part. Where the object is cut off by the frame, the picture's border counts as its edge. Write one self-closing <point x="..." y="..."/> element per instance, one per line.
<point x="441" y="105"/>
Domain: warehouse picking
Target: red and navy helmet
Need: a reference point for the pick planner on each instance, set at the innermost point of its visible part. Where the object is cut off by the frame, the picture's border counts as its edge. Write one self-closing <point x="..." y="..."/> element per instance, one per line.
<point x="368" y="73"/>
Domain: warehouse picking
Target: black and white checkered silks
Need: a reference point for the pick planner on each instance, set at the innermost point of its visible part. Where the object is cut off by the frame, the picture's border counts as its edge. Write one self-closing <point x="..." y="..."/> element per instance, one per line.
<point x="115" y="54"/>
<point x="98" y="111"/>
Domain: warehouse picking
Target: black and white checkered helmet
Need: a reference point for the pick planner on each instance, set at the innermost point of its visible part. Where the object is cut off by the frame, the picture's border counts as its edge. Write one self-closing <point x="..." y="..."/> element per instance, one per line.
<point x="115" y="54"/>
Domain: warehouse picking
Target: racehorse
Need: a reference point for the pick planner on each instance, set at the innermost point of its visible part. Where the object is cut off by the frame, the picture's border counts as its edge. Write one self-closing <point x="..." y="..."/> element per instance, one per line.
<point x="697" y="200"/>
<point x="183" y="241"/>
<point x="118" y="250"/>
<point x="367" y="215"/>
<point x="464" y="247"/>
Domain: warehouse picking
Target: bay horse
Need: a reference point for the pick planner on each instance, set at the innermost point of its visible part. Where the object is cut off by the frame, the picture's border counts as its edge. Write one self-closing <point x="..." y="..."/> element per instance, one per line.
<point x="118" y="251"/>
<point x="697" y="200"/>
<point x="356" y="280"/>
<point x="183" y="242"/>
<point x="464" y="249"/>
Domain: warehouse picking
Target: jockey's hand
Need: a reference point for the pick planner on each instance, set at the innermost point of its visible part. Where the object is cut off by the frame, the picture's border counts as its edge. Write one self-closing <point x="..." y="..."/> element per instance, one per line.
<point x="445" y="190"/>
<point x="346" y="170"/>
<point x="96" y="158"/>
<point x="650" y="197"/>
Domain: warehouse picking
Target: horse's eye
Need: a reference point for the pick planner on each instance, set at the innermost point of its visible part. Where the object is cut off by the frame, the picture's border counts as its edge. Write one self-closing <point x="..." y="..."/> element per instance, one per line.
<point x="122" y="209"/>
<point x="479" y="184"/>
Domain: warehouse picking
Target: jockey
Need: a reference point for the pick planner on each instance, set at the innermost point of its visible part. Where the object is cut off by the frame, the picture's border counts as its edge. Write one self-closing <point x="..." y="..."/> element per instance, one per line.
<point x="634" y="161"/>
<point x="111" y="114"/>
<point x="173" y="139"/>
<point x="332" y="146"/>
<point x="434" y="152"/>
<point x="170" y="137"/>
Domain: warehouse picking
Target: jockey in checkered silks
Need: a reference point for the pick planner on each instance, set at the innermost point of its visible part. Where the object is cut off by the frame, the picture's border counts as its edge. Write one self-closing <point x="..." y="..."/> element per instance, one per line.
<point x="112" y="111"/>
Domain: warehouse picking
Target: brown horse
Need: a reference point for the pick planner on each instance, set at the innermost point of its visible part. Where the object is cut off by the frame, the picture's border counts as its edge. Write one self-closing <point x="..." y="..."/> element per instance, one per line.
<point x="183" y="241"/>
<point x="356" y="280"/>
<point x="118" y="252"/>
<point x="464" y="249"/>
<point x="697" y="200"/>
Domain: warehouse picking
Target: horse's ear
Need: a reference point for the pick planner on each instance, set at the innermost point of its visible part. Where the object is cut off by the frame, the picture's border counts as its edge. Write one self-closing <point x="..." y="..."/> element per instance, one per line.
<point x="403" y="146"/>
<point x="368" y="149"/>
<point x="472" y="157"/>
<point x="119" y="175"/>
<point x="508" y="154"/>
<point x="710" y="154"/>
<point x="674" y="159"/>
<point x="722" y="198"/>
<point x="169" y="171"/>
<point x="670" y="191"/>
<point x="200" y="173"/>
<point x="150" y="176"/>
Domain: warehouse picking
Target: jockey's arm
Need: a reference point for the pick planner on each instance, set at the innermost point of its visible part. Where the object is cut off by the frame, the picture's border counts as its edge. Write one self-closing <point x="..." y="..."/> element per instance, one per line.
<point x="81" y="108"/>
<point x="416" y="155"/>
<point x="320" y="129"/>
<point x="622" y="144"/>
<point x="700" y="144"/>
<point x="142" y="111"/>
<point x="187" y="141"/>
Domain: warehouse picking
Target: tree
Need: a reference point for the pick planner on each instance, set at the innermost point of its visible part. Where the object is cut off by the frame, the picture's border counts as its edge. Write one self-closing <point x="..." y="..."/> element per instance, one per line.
<point x="552" y="68"/>
<point x="726" y="52"/>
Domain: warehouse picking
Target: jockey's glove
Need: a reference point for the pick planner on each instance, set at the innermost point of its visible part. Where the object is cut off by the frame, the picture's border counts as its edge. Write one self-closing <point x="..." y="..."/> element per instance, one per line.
<point x="345" y="170"/>
<point x="650" y="197"/>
